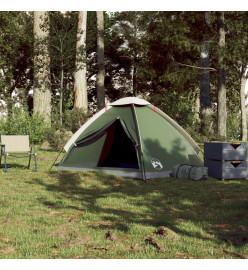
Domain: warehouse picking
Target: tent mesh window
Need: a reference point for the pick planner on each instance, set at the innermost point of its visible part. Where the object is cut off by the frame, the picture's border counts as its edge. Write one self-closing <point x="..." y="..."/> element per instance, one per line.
<point x="118" y="150"/>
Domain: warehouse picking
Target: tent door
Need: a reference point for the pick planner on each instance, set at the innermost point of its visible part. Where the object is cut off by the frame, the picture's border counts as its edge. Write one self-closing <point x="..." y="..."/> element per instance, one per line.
<point x="119" y="148"/>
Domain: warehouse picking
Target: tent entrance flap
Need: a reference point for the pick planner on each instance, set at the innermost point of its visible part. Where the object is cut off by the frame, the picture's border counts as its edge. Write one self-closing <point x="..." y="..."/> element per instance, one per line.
<point x="118" y="149"/>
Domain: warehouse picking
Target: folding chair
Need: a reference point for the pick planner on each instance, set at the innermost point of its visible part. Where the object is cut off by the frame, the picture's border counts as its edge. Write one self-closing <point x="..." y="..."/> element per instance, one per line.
<point x="17" y="146"/>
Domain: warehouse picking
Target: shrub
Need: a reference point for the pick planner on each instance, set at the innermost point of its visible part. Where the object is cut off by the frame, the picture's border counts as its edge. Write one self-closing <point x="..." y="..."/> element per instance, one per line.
<point x="21" y="122"/>
<point x="59" y="133"/>
<point x="58" y="138"/>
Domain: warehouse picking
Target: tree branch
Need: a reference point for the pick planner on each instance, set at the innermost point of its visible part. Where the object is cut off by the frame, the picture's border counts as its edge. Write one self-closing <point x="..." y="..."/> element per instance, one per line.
<point x="202" y="68"/>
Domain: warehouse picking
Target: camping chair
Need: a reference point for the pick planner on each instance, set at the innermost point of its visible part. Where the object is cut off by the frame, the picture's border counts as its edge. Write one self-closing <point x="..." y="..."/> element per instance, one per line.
<point x="17" y="146"/>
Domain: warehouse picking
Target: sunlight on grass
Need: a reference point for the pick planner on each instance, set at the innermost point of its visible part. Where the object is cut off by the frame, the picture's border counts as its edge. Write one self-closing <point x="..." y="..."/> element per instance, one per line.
<point x="63" y="214"/>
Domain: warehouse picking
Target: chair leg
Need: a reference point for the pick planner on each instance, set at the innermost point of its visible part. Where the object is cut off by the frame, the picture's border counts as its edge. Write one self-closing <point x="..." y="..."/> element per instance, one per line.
<point x="30" y="154"/>
<point x="35" y="160"/>
<point x="5" y="163"/>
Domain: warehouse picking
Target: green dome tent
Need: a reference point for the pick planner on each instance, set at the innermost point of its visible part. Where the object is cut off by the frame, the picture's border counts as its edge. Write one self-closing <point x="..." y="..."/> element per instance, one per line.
<point x="130" y="138"/>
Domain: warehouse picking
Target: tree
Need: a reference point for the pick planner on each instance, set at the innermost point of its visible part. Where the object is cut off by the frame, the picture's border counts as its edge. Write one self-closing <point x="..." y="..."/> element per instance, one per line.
<point x="63" y="31"/>
<point x="100" y="61"/>
<point x="221" y="109"/>
<point x="237" y="46"/>
<point x="16" y="59"/>
<point x="205" y="101"/>
<point x="243" y="79"/>
<point x="80" y="82"/>
<point x="42" y="77"/>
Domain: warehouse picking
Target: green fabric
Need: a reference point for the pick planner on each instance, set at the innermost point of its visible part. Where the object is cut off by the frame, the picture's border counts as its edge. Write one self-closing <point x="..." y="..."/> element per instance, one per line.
<point x="124" y="113"/>
<point x="89" y="153"/>
<point x="163" y="146"/>
<point x="161" y="142"/>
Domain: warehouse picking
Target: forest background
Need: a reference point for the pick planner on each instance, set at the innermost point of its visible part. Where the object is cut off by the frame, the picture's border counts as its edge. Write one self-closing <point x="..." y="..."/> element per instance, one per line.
<point x="190" y="64"/>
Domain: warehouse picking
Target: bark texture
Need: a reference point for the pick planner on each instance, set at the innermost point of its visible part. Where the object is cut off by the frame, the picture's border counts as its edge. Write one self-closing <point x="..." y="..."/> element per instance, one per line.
<point x="42" y="76"/>
<point x="205" y="101"/>
<point x="100" y="61"/>
<point x="221" y="125"/>
<point x="80" y="82"/>
<point x="242" y="107"/>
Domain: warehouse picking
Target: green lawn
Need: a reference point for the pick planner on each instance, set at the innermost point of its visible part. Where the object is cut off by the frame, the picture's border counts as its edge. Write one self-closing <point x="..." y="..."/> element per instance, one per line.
<point x="61" y="214"/>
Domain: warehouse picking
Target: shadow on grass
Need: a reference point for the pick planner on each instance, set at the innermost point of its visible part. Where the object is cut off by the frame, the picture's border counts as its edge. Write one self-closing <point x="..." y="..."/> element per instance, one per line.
<point x="168" y="202"/>
<point x="210" y="210"/>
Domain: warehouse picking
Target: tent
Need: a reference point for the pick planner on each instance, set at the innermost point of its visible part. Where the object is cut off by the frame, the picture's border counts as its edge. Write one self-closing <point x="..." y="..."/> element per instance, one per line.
<point x="130" y="138"/>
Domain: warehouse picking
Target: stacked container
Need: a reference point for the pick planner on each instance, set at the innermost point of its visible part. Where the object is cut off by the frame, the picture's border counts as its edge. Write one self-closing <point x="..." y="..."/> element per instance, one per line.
<point x="226" y="160"/>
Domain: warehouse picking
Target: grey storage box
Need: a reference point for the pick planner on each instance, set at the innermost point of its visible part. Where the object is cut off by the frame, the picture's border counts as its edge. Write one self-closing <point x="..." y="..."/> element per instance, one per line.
<point x="226" y="169"/>
<point x="225" y="151"/>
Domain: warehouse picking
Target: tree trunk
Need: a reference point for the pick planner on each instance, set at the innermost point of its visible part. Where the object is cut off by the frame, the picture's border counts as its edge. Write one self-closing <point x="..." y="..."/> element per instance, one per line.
<point x="242" y="107"/>
<point x="80" y="82"/>
<point x="61" y="94"/>
<point x="100" y="61"/>
<point x="221" y="125"/>
<point x="42" y="76"/>
<point x="197" y="107"/>
<point x="205" y="101"/>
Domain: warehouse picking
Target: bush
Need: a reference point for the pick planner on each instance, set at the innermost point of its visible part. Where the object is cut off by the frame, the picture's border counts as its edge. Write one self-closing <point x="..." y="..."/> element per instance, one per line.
<point x="58" y="138"/>
<point x="21" y="122"/>
<point x="59" y="133"/>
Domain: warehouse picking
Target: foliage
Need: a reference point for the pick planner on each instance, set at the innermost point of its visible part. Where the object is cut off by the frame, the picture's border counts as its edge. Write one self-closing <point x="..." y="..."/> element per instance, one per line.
<point x="59" y="133"/>
<point x="16" y="49"/>
<point x="58" y="138"/>
<point x="63" y="27"/>
<point x="234" y="126"/>
<point x="178" y="107"/>
<point x="154" y="55"/>
<point x="21" y="122"/>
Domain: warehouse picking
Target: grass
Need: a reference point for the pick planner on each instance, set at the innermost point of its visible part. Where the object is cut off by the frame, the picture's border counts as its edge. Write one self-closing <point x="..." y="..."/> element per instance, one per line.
<point x="62" y="214"/>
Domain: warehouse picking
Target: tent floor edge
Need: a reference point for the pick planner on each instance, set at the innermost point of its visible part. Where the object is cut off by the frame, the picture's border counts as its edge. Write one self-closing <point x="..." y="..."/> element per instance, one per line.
<point x="133" y="175"/>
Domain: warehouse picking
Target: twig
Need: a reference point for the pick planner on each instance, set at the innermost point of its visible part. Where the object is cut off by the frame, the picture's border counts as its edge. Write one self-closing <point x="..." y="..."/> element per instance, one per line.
<point x="203" y="68"/>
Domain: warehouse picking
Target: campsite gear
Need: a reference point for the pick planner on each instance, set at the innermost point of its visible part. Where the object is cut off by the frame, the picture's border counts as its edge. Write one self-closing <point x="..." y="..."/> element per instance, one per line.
<point x="225" y="150"/>
<point x="56" y="158"/>
<point x="226" y="160"/>
<point x="130" y="138"/>
<point x="186" y="171"/>
<point x="222" y="169"/>
<point x="17" y="146"/>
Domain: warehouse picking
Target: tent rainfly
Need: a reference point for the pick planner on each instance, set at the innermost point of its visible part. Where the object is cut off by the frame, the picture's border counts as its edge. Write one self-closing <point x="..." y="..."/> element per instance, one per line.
<point x="130" y="138"/>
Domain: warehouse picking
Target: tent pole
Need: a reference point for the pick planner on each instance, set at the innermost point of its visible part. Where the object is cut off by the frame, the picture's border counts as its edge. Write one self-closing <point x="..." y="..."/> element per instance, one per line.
<point x="56" y="158"/>
<point x="140" y="144"/>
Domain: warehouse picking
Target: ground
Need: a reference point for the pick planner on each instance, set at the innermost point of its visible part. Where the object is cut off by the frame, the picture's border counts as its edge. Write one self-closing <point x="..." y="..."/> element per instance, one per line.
<point x="64" y="214"/>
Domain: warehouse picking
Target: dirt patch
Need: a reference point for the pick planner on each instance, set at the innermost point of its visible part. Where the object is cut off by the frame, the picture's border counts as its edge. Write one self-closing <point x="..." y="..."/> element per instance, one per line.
<point x="66" y="230"/>
<point x="111" y="236"/>
<point x="76" y="240"/>
<point x="167" y="233"/>
<point x="8" y="250"/>
<point x="241" y="256"/>
<point x="154" y="242"/>
<point x="135" y="246"/>
<point x="45" y="146"/>
<point x="237" y="239"/>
